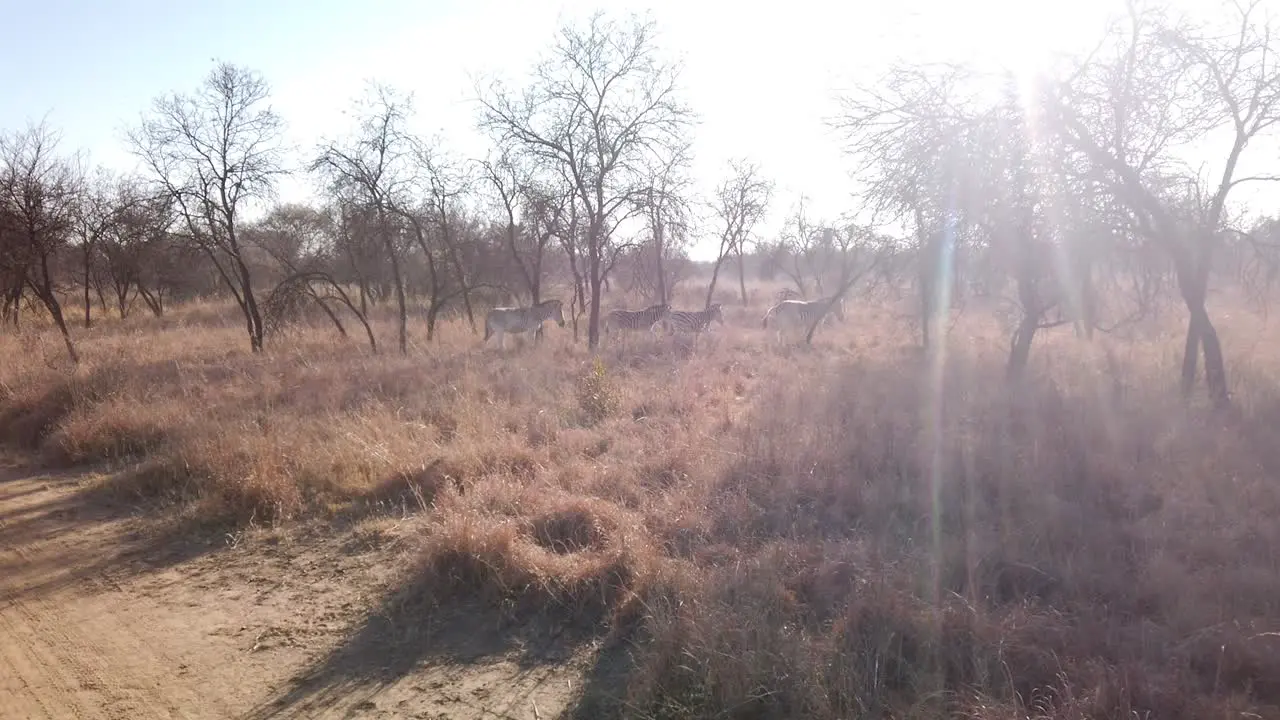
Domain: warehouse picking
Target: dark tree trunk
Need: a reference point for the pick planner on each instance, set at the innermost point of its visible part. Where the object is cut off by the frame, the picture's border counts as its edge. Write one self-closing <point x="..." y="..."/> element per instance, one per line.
<point x="579" y="300"/>
<point x="1020" y="348"/>
<point x="1193" y="282"/>
<point x="466" y="286"/>
<point x="88" y="303"/>
<point x="715" y="274"/>
<point x="332" y="317"/>
<point x="596" y="279"/>
<point x="402" y="315"/>
<point x="1202" y="334"/>
<point x="433" y="312"/>
<point x="45" y="293"/>
<point x="253" y="318"/>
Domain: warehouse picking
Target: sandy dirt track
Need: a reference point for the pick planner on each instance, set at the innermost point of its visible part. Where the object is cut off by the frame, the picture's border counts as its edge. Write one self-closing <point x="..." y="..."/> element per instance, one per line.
<point x="105" y="615"/>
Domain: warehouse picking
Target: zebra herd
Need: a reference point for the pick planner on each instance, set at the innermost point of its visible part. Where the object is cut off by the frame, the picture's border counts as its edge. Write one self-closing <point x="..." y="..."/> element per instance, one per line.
<point x="503" y="320"/>
<point x="787" y="314"/>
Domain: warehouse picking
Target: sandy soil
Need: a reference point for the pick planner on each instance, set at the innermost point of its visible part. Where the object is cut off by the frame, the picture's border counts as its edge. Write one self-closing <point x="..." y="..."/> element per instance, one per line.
<point x="105" y="615"/>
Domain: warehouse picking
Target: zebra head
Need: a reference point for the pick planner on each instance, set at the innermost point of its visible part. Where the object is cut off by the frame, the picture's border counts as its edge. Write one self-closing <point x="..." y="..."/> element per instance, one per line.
<point x="837" y="306"/>
<point x="557" y="311"/>
<point x="713" y="313"/>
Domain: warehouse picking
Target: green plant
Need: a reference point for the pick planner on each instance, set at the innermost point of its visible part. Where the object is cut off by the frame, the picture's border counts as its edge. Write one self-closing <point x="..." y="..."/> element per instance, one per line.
<point x="598" y="395"/>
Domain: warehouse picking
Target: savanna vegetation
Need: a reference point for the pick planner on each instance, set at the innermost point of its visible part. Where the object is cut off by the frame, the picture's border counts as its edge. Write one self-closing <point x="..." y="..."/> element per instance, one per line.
<point x="1031" y="473"/>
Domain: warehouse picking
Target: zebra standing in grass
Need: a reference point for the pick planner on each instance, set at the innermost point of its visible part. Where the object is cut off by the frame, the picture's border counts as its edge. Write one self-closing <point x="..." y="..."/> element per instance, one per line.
<point x="802" y="315"/>
<point x="690" y="321"/>
<point x="502" y="320"/>
<point x="646" y="319"/>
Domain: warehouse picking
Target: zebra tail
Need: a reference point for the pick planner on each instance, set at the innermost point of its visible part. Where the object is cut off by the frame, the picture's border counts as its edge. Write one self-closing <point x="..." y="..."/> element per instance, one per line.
<point x="488" y="329"/>
<point x="765" y="322"/>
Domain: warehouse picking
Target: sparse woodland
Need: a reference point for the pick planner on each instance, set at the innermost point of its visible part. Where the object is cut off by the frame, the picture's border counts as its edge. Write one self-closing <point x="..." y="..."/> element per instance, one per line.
<point x="1034" y="472"/>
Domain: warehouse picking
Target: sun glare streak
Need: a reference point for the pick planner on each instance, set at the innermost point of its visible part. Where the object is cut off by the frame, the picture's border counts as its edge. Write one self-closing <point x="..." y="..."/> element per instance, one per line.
<point x="937" y="359"/>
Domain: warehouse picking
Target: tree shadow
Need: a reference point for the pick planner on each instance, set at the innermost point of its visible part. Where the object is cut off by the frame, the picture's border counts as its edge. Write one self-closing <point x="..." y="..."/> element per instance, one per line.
<point x="604" y="686"/>
<point x="82" y="538"/>
<point x="409" y="632"/>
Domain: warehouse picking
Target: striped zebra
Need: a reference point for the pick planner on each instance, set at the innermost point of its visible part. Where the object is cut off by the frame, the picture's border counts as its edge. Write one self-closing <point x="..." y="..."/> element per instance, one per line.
<point x="502" y="320"/>
<point x="646" y="319"/>
<point x="692" y="321"/>
<point x="798" y="314"/>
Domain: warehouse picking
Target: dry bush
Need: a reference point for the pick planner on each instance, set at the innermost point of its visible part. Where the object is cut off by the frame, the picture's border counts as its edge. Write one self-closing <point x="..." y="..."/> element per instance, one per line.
<point x="840" y="530"/>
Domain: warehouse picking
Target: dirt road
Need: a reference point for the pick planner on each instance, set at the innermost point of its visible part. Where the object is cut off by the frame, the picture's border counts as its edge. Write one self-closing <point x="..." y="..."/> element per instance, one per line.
<point x="104" y="615"/>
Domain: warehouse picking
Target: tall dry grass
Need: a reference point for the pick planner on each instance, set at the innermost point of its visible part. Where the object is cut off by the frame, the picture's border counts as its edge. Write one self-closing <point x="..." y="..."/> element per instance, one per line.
<point x="847" y="530"/>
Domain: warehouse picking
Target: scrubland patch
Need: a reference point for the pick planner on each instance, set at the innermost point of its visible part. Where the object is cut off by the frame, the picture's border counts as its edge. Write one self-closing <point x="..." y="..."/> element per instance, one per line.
<point x="846" y="530"/>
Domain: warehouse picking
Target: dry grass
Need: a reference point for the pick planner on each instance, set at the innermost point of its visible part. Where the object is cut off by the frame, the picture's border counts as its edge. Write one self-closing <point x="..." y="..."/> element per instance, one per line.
<point x="842" y="531"/>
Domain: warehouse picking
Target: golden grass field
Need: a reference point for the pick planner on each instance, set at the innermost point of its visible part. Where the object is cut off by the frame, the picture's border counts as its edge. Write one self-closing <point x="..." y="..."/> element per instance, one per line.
<point x="846" y="530"/>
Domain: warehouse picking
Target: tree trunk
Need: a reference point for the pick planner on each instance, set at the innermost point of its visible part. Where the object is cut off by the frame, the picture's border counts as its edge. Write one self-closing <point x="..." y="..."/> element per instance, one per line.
<point x="1193" y="282"/>
<point x="659" y="241"/>
<point x="253" y="318"/>
<point x="13" y="303"/>
<point x="593" y="314"/>
<point x="88" y="303"/>
<point x="535" y="286"/>
<point x="402" y="313"/>
<point x="742" y="275"/>
<point x="155" y="302"/>
<point x="466" y="287"/>
<point x="578" y="299"/>
<point x="45" y="293"/>
<point x="433" y="310"/>
<point x="1202" y="334"/>
<point x="55" y="310"/>
<point x="1020" y="348"/>
<point x="401" y="310"/>
<point x="715" y="274"/>
<point x="332" y="316"/>
<point x="364" y="321"/>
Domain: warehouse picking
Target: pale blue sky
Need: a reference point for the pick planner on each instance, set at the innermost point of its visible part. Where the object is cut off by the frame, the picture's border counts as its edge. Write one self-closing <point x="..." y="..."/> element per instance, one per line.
<point x="761" y="76"/>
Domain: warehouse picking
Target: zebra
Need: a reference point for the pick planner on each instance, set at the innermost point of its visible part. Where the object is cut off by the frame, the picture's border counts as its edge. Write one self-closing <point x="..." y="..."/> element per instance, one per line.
<point x="502" y="320"/>
<point x="801" y="314"/>
<point x="648" y="318"/>
<point x="691" y="321"/>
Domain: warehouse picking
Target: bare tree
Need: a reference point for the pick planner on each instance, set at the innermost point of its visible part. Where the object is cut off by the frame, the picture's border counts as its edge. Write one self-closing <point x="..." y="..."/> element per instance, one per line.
<point x="514" y="192"/>
<point x="902" y="131"/>
<point x="740" y="203"/>
<point x="373" y="167"/>
<point x="215" y="151"/>
<point x="856" y="251"/>
<point x="105" y="203"/>
<point x="665" y="207"/>
<point x="301" y="241"/>
<point x="601" y="110"/>
<point x="39" y="198"/>
<point x="444" y="184"/>
<point x="797" y="250"/>
<point x="1153" y="89"/>
<point x="1017" y="208"/>
<point x="137" y="247"/>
